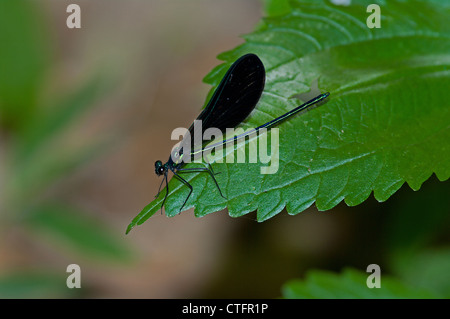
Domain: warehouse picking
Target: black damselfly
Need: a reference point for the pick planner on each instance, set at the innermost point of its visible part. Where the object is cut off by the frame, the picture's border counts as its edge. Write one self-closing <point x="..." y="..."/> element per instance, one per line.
<point x="232" y="102"/>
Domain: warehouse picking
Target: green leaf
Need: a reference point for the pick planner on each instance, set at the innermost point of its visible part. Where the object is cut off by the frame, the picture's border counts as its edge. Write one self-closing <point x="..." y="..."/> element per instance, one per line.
<point x="24" y="58"/>
<point x="71" y="228"/>
<point x="276" y="7"/>
<point x="385" y="123"/>
<point x="351" y="284"/>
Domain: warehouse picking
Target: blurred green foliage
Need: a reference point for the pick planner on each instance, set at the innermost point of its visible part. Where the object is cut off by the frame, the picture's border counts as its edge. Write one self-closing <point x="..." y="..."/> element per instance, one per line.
<point x="351" y="284"/>
<point x="32" y="284"/>
<point x="36" y="157"/>
<point x="24" y="59"/>
<point x="417" y="239"/>
<point x="416" y="250"/>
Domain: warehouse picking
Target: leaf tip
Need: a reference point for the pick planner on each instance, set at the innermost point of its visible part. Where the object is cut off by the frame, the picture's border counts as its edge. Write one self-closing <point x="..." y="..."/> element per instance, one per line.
<point x="129" y="228"/>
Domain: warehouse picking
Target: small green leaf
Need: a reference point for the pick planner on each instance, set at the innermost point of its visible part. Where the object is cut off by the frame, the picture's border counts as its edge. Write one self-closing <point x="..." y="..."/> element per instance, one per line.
<point x="385" y="123"/>
<point x="146" y="213"/>
<point x="64" y="225"/>
<point x="351" y="284"/>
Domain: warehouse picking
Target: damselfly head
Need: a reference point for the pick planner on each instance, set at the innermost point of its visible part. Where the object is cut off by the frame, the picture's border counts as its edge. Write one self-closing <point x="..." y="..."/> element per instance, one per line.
<point x="160" y="169"/>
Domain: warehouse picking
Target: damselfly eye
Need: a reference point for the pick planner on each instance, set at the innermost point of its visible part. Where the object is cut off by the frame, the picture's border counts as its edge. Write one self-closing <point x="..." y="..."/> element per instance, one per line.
<point x="159" y="168"/>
